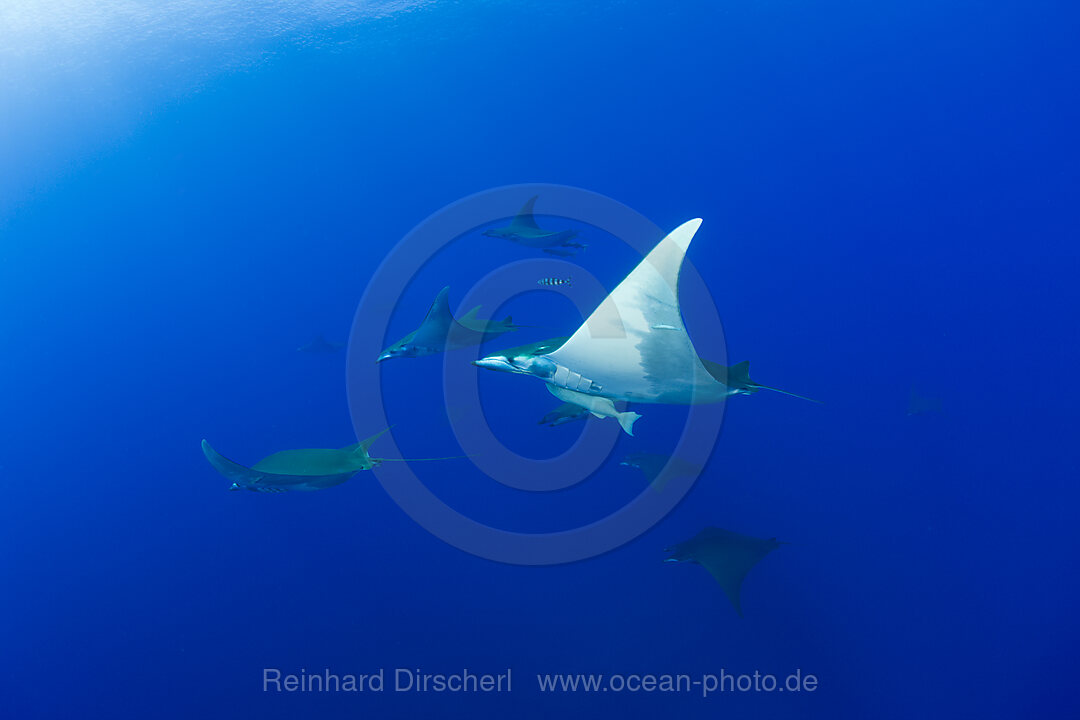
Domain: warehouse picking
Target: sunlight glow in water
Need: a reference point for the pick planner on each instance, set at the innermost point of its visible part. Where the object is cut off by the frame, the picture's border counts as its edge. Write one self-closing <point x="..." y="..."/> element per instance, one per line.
<point x="71" y="34"/>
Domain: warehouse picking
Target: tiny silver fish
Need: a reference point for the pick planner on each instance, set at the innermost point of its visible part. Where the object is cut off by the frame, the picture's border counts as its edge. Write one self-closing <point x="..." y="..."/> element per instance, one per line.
<point x="551" y="281"/>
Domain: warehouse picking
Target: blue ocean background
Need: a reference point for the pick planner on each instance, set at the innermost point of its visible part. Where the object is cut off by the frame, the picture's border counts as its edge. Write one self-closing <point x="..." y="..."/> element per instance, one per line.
<point x="188" y="194"/>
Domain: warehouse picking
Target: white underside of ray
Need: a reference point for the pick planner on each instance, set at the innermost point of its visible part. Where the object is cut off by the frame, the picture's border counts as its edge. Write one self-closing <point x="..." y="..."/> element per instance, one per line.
<point x="634" y="346"/>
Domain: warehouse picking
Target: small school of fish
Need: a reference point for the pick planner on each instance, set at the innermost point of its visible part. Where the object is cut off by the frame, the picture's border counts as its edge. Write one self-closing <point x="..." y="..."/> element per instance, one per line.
<point x="593" y="372"/>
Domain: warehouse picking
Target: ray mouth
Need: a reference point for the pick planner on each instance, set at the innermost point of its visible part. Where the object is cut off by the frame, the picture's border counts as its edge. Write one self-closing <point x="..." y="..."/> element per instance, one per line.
<point x="496" y="362"/>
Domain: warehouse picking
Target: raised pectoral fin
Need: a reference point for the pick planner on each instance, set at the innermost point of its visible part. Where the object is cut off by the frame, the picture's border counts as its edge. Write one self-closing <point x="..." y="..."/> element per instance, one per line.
<point x="524" y="218"/>
<point x="365" y="445"/>
<point x="231" y="470"/>
<point x="635" y="343"/>
<point x="437" y="323"/>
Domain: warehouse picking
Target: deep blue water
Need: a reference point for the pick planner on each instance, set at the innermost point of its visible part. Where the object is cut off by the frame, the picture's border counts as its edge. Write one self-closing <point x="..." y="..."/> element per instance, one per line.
<point x="890" y="200"/>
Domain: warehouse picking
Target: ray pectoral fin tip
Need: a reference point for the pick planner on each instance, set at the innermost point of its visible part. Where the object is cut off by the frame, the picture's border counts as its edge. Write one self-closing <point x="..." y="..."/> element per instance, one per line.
<point x="683" y="234"/>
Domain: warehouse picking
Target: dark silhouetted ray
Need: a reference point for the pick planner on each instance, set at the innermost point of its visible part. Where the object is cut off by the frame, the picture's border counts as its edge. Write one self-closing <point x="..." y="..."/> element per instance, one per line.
<point x="728" y="556"/>
<point x="320" y="345"/>
<point x="523" y="230"/>
<point x="440" y="331"/>
<point x="919" y="404"/>
<point x="661" y="469"/>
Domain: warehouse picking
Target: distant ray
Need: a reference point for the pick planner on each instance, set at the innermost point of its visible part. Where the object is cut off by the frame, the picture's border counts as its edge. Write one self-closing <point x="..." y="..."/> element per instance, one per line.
<point x="523" y="230"/>
<point x="320" y="345"/>
<point x="919" y="404"/>
<point x="728" y="556"/>
<point x="661" y="469"/>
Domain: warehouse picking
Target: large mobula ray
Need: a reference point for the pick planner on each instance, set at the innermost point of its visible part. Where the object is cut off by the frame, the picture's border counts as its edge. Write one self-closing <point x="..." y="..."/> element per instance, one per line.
<point x="735" y="377"/>
<point x="633" y="347"/>
<point x="301" y="470"/>
<point x="441" y="331"/>
<point x="728" y="556"/>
